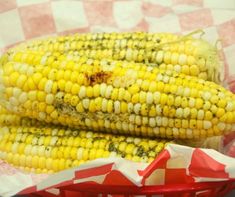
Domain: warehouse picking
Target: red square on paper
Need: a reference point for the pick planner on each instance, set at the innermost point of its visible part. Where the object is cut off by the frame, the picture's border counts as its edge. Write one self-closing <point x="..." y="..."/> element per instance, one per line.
<point x="177" y="176"/>
<point x="37" y="20"/>
<point x="155" y="10"/>
<point x="203" y="165"/>
<point x="7" y="5"/>
<point x="227" y="33"/>
<point x="194" y="20"/>
<point x="115" y="177"/>
<point x="99" y="13"/>
<point x="141" y="26"/>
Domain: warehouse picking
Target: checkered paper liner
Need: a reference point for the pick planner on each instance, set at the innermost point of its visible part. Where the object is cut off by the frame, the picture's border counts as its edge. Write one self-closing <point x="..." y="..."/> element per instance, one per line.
<point x="176" y="164"/>
<point x="22" y="20"/>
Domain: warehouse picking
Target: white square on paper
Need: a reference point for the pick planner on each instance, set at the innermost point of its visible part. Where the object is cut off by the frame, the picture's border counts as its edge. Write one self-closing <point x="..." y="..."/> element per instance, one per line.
<point x="226" y="4"/>
<point x="168" y="23"/>
<point x="127" y="14"/>
<point x="211" y="35"/>
<point x="157" y="177"/>
<point x="222" y="15"/>
<point x="69" y="15"/>
<point x="180" y="9"/>
<point x="11" y="30"/>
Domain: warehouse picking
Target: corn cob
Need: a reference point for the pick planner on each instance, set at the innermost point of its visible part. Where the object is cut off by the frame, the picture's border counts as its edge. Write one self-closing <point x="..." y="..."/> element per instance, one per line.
<point x="52" y="149"/>
<point x="185" y="54"/>
<point x="116" y="96"/>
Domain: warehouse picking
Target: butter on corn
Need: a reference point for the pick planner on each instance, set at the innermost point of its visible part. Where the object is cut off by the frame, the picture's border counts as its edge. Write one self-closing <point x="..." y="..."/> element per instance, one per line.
<point x="115" y="96"/>
<point x="52" y="149"/>
<point x="185" y="54"/>
<point x="7" y="118"/>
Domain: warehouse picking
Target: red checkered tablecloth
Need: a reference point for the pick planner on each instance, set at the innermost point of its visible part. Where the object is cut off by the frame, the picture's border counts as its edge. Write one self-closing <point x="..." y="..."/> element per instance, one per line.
<point x="21" y="20"/>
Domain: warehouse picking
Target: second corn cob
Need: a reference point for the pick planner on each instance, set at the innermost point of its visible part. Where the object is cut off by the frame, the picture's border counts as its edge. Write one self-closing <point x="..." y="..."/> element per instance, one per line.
<point x="52" y="149"/>
<point x="185" y="54"/>
<point x="116" y="96"/>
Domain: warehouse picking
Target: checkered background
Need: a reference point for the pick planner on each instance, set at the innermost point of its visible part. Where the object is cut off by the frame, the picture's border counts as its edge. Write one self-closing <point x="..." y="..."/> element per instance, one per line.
<point x="21" y="20"/>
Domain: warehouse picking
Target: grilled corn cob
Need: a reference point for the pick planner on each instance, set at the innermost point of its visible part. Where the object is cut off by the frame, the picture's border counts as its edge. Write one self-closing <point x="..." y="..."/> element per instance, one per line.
<point x="116" y="96"/>
<point x="185" y="54"/>
<point x="52" y="149"/>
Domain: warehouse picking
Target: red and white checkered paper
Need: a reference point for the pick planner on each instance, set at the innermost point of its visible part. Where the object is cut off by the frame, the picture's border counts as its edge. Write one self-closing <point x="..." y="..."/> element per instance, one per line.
<point x="22" y="20"/>
<point x="176" y="164"/>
